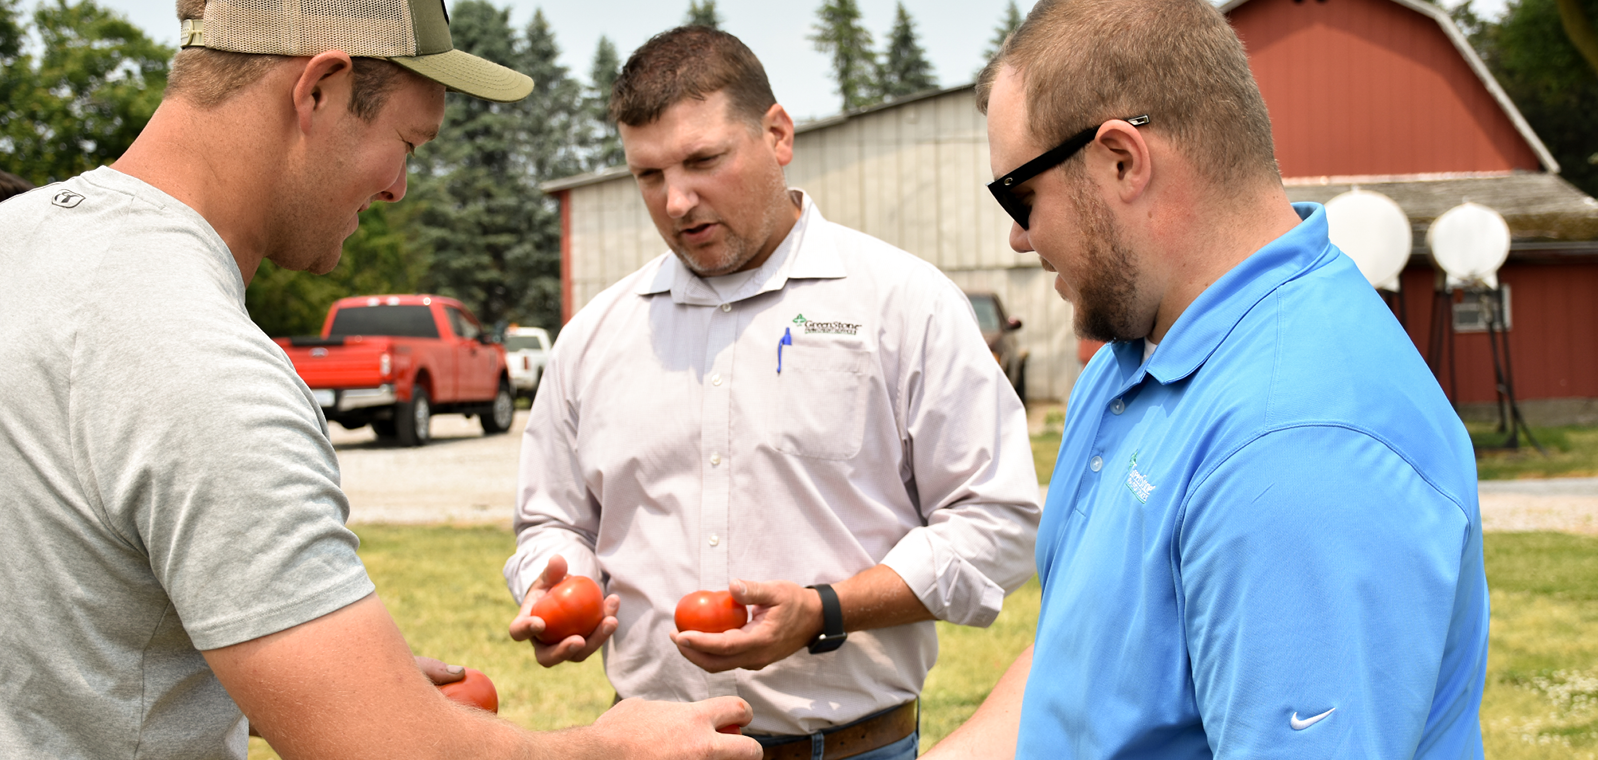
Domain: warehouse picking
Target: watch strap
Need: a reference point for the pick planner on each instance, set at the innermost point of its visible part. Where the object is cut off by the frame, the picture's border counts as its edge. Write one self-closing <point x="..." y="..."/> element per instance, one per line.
<point x="832" y="633"/>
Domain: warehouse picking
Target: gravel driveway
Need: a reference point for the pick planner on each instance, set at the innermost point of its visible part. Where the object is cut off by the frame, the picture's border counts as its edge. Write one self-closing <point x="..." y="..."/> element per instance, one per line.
<point x="464" y="476"/>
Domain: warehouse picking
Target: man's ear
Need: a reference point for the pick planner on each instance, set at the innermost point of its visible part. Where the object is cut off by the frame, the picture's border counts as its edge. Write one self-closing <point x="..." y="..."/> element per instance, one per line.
<point x="1120" y="155"/>
<point x="323" y="85"/>
<point x="777" y="128"/>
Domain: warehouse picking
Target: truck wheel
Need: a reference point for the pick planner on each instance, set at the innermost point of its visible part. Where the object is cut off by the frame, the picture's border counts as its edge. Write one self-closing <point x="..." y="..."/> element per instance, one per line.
<point x="497" y="419"/>
<point x="383" y="428"/>
<point x="413" y="420"/>
<point x="1020" y="382"/>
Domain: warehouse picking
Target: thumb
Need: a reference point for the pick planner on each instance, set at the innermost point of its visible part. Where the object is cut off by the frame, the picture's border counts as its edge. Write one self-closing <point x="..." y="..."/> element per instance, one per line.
<point x="754" y="592"/>
<point x="554" y="573"/>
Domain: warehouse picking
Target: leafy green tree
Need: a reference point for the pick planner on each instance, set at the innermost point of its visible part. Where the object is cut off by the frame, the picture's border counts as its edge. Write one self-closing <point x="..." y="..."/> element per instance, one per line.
<point x="381" y="257"/>
<point x="1011" y="22"/>
<point x="1577" y="20"/>
<point x="702" y="14"/>
<point x="838" y="31"/>
<point x="84" y="100"/>
<point x="1543" y="72"/>
<point x="552" y="148"/>
<point x="905" y="69"/>
<point x="603" y="141"/>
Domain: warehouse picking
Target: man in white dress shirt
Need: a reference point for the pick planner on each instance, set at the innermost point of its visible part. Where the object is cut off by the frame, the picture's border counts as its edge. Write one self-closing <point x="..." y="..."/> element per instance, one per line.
<point x="782" y="407"/>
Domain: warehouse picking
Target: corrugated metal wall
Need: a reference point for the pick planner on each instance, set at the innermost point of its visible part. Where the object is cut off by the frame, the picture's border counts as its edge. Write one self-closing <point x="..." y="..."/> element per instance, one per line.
<point x="1359" y="87"/>
<point x="912" y="175"/>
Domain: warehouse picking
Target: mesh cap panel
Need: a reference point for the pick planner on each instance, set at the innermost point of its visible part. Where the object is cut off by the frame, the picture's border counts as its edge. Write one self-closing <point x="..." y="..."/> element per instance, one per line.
<point x="371" y="28"/>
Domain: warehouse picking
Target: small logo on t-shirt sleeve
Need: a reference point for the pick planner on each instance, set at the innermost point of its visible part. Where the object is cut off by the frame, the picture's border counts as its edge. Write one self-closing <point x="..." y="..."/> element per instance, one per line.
<point x="66" y="199"/>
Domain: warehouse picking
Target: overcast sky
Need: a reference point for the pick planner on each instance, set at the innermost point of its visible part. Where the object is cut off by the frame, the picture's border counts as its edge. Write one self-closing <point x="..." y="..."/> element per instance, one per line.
<point x="953" y="32"/>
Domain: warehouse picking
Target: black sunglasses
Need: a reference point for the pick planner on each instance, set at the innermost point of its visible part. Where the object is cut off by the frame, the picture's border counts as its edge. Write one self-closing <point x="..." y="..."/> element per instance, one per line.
<point x="1003" y="188"/>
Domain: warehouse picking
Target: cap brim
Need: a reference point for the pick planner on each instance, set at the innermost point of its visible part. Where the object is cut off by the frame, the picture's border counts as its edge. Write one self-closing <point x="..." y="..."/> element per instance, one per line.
<point x="464" y="72"/>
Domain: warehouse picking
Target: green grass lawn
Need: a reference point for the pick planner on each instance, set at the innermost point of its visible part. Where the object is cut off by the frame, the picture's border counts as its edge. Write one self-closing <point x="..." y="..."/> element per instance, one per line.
<point x="443" y="586"/>
<point x="1572" y="452"/>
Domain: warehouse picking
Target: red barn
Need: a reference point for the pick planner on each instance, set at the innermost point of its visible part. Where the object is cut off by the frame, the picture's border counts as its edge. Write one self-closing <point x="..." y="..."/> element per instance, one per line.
<point x="1388" y="96"/>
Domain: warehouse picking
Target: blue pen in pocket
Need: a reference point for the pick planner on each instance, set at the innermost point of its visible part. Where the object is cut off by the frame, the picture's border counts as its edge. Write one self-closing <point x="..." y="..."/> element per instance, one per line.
<point x="787" y="340"/>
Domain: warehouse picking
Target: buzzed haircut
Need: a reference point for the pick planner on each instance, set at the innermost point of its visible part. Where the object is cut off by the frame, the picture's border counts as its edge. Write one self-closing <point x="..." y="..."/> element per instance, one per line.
<point x="11" y="184"/>
<point x="690" y="62"/>
<point x="208" y="78"/>
<point x="1179" y="61"/>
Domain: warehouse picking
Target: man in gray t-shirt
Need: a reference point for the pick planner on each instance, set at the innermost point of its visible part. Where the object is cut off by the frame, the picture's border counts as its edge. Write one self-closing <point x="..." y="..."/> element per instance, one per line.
<point x="174" y="561"/>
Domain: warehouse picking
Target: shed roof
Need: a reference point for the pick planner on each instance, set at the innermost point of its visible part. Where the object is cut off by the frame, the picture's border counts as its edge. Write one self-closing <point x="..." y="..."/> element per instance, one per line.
<point x="1543" y="210"/>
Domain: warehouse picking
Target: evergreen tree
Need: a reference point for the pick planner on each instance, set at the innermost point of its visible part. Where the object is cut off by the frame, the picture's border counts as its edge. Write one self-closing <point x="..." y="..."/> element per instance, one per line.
<point x="480" y="211"/>
<point x="1012" y="21"/>
<point x="604" y="143"/>
<point x="81" y="103"/>
<point x="702" y="14"/>
<point x="854" y="64"/>
<point x="904" y="70"/>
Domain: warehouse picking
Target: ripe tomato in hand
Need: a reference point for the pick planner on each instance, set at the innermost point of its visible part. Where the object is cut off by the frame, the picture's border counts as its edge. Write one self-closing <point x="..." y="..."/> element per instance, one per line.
<point x="710" y="612"/>
<point x="573" y="607"/>
<point x="475" y="690"/>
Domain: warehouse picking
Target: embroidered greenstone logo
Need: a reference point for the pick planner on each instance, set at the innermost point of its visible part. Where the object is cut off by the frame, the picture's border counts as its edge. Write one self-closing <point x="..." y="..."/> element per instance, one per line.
<point x="835" y="328"/>
<point x="1136" y="483"/>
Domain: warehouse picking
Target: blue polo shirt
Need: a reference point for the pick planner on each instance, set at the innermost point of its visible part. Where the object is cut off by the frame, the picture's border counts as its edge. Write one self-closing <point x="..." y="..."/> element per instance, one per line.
<point x="1265" y="541"/>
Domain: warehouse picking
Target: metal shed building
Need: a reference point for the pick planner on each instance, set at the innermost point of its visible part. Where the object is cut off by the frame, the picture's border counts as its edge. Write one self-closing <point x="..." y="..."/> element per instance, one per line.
<point x="1382" y="94"/>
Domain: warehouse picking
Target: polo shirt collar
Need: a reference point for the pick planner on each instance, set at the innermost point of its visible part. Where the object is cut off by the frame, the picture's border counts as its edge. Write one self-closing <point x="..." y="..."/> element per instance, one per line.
<point x="1207" y="321"/>
<point x="797" y="257"/>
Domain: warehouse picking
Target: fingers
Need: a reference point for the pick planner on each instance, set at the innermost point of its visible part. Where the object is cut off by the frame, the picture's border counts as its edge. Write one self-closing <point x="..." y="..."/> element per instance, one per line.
<point x="727" y="711"/>
<point x="438" y="672"/>
<point x="554" y="573"/>
<point x="755" y="593"/>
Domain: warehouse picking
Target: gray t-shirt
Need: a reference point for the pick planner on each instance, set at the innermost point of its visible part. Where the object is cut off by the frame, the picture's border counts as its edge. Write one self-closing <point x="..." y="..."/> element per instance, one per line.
<point x="168" y="484"/>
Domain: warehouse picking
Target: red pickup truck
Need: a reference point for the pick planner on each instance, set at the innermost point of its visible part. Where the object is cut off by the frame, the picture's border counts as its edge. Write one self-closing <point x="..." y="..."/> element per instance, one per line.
<point x="395" y="361"/>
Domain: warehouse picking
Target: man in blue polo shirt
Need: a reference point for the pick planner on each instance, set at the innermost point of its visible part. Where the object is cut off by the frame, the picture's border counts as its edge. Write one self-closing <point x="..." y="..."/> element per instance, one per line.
<point x="1261" y="537"/>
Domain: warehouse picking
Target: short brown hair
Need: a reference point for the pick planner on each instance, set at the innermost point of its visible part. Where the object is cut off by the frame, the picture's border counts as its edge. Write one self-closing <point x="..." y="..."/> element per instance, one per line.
<point x="690" y="62"/>
<point x="1086" y="61"/>
<point x="207" y="78"/>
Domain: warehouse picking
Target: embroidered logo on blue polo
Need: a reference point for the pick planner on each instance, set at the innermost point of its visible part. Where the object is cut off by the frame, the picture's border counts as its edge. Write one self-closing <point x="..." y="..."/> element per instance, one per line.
<point x="1300" y="725"/>
<point x="818" y="326"/>
<point x="1136" y="483"/>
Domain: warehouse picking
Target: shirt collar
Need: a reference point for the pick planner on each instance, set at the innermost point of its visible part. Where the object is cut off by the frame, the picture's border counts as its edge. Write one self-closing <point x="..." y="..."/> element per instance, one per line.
<point x="1212" y="316"/>
<point x="796" y="258"/>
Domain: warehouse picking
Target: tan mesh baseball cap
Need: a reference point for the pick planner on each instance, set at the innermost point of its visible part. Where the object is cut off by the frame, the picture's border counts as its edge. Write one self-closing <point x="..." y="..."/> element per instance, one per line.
<point x="411" y="33"/>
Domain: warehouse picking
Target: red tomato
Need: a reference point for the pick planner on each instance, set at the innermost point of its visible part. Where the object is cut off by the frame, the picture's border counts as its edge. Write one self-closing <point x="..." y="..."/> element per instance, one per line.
<point x="710" y="612"/>
<point x="573" y="607"/>
<point x="475" y="690"/>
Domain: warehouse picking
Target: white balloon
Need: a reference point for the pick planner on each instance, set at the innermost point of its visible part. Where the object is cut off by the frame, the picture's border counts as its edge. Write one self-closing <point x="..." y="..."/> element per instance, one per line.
<point x="1374" y="231"/>
<point x="1469" y="243"/>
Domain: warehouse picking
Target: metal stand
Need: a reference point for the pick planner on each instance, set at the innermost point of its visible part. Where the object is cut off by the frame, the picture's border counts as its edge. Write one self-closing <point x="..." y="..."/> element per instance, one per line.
<point x="1442" y="340"/>
<point x="1510" y="419"/>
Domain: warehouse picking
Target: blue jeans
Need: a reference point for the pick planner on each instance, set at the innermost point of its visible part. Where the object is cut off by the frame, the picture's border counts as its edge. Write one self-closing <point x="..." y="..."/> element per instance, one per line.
<point x="904" y="749"/>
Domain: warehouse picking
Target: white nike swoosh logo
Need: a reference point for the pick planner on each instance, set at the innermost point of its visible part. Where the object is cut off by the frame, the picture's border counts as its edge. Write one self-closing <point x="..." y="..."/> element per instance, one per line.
<point x="1300" y="725"/>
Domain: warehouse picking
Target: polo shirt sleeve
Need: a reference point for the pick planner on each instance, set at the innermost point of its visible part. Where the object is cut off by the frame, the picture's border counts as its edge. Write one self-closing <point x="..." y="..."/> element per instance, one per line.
<point x="966" y="441"/>
<point x="555" y="513"/>
<point x="1316" y="572"/>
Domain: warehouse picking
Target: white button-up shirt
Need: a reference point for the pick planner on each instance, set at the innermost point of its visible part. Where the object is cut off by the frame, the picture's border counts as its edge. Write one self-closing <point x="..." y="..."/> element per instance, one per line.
<point x="666" y="453"/>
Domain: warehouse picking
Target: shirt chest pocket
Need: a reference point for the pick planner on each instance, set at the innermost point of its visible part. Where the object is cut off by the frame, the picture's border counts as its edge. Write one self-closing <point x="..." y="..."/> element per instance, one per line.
<point x="821" y="402"/>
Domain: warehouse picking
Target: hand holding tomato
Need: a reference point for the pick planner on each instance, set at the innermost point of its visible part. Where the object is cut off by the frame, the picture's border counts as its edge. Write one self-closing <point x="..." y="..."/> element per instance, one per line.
<point x="785" y="618"/>
<point x="572" y="630"/>
<point x="710" y="612"/>
<point x="475" y="690"/>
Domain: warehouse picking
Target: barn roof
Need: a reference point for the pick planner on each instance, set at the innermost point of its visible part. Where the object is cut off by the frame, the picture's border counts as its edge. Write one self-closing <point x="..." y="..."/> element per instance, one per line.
<point x="1544" y="212"/>
<point x="1468" y="53"/>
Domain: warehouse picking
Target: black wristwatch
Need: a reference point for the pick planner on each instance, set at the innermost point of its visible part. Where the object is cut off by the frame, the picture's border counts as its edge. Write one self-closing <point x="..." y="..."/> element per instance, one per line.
<point x="832" y="635"/>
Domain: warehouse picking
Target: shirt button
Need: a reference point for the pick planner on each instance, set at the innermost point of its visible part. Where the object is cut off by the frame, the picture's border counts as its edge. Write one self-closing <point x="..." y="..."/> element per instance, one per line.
<point x="1117" y="406"/>
<point x="1096" y="464"/>
<point x="714" y="539"/>
<point x="726" y="307"/>
<point x="715" y="460"/>
<point x="715" y="379"/>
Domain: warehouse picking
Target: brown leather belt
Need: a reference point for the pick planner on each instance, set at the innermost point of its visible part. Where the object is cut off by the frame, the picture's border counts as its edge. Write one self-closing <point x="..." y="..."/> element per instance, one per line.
<point x="852" y="739"/>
